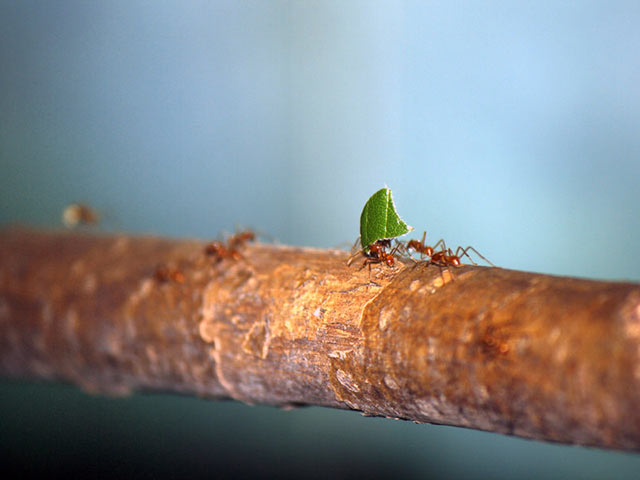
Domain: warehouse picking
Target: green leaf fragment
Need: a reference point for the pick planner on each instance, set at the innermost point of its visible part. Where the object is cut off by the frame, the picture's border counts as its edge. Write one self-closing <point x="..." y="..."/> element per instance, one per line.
<point x="379" y="219"/>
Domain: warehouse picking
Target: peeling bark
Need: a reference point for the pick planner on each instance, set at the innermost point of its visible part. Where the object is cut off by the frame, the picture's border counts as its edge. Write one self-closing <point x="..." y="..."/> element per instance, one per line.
<point x="538" y="356"/>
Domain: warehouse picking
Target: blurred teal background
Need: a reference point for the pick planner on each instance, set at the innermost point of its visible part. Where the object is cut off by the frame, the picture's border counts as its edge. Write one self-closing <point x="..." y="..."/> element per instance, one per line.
<point x="510" y="126"/>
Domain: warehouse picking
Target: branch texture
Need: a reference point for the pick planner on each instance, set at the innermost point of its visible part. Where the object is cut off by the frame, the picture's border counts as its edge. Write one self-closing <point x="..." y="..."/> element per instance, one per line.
<point x="538" y="356"/>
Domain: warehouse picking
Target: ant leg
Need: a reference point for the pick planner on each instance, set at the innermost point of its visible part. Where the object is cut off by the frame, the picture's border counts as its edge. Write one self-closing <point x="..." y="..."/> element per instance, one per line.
<point x="465" y="250"/>
<point x="356" y="246"/>
<point x="441" y="243"/>
<point x="409" y="257"/>
<point x="367" y="261"/>
<point x="424" y="238"/>
<point x="402" y="247"/>
<point x="453" y="279"/>
<point x="354" y="252"/>
<point x="370" y="261"/>
<point x="442" y="277"/>
<point x="462" y="252"/>
<point x="402" y="251"/>
<point x="352" y="258"/>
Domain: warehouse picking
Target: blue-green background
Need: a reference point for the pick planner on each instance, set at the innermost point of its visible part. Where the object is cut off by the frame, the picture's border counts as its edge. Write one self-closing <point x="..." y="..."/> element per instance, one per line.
<point x="510" y="126"/>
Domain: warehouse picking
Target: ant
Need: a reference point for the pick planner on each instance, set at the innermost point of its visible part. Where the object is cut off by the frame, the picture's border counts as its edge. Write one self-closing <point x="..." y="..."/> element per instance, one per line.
<point x="239" y="239"/>
<point x="164" y="274"/>
<point x="220" y="251"/>
<point x="229" y="251"/>
<point x="376" y="253"/>
<point x="445" y="256"/>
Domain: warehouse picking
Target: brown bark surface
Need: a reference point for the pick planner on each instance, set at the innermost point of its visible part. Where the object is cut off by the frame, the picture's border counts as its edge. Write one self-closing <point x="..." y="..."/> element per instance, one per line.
<point x="537" y="356"/>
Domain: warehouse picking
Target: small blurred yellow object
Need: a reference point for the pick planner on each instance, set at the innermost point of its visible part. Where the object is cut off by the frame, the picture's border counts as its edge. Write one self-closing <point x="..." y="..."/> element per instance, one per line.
<point x="77" y="214"/>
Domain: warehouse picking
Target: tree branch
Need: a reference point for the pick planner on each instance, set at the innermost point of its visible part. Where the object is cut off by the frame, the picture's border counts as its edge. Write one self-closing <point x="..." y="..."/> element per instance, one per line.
<point x="537" y="356"/>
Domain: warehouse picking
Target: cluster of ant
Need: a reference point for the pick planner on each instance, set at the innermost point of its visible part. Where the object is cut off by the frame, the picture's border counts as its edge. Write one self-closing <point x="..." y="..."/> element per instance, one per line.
<point x="437" y="254"/>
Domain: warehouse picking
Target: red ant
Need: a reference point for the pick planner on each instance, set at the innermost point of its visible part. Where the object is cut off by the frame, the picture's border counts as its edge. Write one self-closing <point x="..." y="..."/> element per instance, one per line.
<point x="220" y="251"/>
<point x="164" y="274"/>
<point x="444" y="257"/>
<point x="376" y="253"/>
<point x="229" y="251"/>
<point x="239" y="239"/>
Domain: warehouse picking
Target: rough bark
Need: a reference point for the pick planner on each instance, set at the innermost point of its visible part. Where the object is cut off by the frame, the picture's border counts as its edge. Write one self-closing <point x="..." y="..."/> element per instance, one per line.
<point x="538" y="356"/>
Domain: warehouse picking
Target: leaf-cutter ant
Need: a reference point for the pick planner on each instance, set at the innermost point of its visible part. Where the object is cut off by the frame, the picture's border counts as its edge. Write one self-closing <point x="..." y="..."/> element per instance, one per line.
<point x="220" y="251"/>
<point x="230" y="251"/>
<point x="376" y="253"/>
<point x="164" y="274"/>
<point x="444" y="257"/>
<point x="238" y="240"/>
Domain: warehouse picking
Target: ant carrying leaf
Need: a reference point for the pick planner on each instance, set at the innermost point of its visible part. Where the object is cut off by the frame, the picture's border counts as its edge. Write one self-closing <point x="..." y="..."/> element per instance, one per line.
<point x="379" y="223"/>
